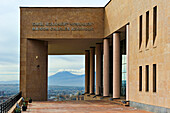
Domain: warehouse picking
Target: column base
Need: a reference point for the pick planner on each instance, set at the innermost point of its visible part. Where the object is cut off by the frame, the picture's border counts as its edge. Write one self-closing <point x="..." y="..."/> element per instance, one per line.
<point x="106" y="96"/>
<point x="126" y="103"/>
<point x="92" y="93"/>
<point x="99" y="95"/>
<point x="88" y="95"/>
<point x="116" y="98"/>
<point x="85" y="93"/>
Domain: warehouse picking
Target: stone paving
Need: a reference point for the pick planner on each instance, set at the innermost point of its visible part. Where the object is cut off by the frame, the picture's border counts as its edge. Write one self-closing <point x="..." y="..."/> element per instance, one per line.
<point x="80" y="107"/>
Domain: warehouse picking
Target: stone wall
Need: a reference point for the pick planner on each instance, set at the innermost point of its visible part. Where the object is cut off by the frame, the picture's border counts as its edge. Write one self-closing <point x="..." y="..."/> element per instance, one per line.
<point x="120" y="12"/>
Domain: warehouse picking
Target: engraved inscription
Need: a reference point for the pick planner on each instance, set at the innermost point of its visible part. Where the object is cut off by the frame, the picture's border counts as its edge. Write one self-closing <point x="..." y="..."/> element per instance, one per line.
<point x="63" y="26"/>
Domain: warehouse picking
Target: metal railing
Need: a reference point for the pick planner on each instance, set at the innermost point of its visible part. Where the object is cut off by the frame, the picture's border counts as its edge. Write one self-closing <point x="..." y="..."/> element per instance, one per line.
<point x="7" y="105"/>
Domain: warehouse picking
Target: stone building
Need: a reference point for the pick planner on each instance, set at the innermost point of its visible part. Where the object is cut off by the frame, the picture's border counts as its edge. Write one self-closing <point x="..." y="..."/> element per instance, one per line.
<point x="129" y="38"/>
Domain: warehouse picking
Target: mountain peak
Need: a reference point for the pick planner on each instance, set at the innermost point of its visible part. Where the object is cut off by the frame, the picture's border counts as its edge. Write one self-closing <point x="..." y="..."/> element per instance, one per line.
<point x="66" y="78"/>
<point x="65" y="72"/>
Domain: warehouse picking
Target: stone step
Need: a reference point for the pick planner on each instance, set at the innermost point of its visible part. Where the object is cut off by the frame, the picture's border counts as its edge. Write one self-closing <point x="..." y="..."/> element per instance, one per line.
<point x="121" y="101"/>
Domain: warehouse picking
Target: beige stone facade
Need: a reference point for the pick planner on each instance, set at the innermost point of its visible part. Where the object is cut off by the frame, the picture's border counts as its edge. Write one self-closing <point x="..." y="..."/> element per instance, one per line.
<point x="68" y="31"/>
<point x="120" y="12"/>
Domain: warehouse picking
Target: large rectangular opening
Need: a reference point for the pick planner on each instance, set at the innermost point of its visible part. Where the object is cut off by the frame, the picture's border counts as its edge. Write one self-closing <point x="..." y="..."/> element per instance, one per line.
<point x="66" y="77"/>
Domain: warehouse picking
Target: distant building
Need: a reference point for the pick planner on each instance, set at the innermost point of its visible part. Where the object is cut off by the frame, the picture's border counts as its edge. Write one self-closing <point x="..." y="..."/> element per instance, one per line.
<point x="1" y="93"/>
<point x="79" y="97"/>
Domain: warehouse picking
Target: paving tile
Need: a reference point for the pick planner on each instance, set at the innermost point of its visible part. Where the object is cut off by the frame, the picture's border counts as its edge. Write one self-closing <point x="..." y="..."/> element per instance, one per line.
<point x="80" y="107"/>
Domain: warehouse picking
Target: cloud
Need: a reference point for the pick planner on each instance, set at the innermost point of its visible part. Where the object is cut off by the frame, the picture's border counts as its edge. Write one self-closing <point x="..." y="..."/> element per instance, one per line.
<point x="9" y="73"/>
<point x="66" y="61"/>
<point x="64" y="3"/>
<point x="9" y="77"/>
<point x="72" y="63"/>
<point x="10" y="35"/>
<point x="74" y="71"/>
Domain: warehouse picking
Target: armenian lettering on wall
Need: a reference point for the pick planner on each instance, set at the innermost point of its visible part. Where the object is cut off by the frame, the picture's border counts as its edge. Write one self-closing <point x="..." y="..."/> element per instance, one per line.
<point x="63" y="26"/>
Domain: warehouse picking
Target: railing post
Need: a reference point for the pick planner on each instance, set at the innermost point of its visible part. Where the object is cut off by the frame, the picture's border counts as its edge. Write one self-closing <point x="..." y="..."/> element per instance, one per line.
<point x="1" y="108"/>
<point x="5" y="106"/>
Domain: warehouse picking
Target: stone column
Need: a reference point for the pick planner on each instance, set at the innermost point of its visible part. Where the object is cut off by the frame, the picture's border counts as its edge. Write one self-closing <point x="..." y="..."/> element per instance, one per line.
<point x="106" y="67"/>
<point x="116" y="65"/>
<point x="92" y="68"/>
<point x="127" y="65"/>
<point x="98" y="68"/>
<point x="87" y="71"/>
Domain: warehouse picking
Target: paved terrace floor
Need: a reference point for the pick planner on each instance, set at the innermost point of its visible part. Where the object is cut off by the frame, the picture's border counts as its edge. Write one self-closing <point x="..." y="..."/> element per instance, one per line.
<point x="79" y="107"/>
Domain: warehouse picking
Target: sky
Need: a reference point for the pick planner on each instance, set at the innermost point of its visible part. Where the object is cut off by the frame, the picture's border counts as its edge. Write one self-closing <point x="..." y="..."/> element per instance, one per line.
<point x="10" y="37"/>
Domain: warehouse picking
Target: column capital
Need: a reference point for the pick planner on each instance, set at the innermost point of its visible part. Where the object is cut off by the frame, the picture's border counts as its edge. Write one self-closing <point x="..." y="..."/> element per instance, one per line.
<point x="117" y="32"/>
<point x="128" y="23"/>
<point x="87" y="50"/>
<point x="105" y="38"/>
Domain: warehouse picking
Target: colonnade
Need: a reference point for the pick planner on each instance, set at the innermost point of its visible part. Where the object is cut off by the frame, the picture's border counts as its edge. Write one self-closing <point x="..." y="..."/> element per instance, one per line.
<point x="102" y="68"/>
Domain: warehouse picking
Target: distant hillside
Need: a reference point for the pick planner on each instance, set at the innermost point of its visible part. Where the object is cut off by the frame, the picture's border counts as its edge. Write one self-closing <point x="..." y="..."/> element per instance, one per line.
<point x="61" y="79"/>
<point x="10" y="82"/>
<point x="66" y="79"/>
